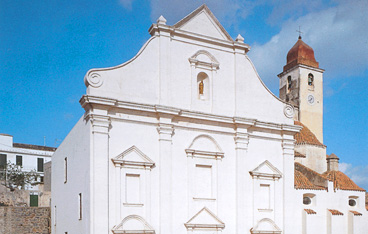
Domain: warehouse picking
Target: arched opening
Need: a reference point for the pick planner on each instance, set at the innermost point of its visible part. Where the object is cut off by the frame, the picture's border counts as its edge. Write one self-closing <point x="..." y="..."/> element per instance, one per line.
<point x="288" y="84"/>
<point x="310" y="79"/>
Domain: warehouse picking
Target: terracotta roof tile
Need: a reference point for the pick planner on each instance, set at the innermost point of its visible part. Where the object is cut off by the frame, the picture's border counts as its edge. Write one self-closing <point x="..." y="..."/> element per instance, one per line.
<point x="34" y="147"/>
<point x="335" y="212"/>
<point x="299" y="155"/>
<point x="310" y="211"/>
<point x="318" y="181"/>
<point x="341" y="181"/>
<point x="305" y="136"/>
<point x="302" y="182"/>
<point x="300" y="53"/>
<point x="356" y="213"/>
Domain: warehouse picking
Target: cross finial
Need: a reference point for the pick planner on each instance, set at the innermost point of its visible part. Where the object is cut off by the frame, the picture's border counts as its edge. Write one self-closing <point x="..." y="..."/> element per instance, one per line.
<point x="300" y="33"/>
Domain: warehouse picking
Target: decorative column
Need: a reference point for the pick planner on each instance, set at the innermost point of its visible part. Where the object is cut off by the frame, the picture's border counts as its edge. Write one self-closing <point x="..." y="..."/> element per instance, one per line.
<point x="243" y="181"/>
<point x="165" y="131"/>
<point x="99" y="162"/>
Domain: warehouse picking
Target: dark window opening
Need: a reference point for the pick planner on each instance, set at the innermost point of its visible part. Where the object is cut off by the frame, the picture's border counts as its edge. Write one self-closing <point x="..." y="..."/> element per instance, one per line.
<point x="352" y="202"/>
<point x="40" y="164"/>
<point x="19" y="160"/>
<point x="289" y="83"/>
<point x="2" y="161"/>
<point x="307" y="200"/>
<point x="310" y="79"/>
<point x="41" y="179"/>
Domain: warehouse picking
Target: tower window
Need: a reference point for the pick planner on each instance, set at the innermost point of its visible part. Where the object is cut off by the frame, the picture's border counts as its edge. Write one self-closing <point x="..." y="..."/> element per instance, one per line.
<point x="310" y="79"/>
<point x="307" y="200"/>
<point x="288" y="83"/>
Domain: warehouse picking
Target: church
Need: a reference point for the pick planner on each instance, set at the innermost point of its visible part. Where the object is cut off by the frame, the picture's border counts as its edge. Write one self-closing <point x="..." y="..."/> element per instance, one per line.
<point x="186" y="138"/>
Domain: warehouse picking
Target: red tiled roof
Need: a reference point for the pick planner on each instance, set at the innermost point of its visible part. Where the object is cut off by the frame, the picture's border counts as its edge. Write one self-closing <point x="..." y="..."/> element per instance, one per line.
<point x="310" y="211"/>
<point x="341" y="181"/>
<point x="302" y="182"/>
<point x="34" y="147"/>
<point x="299" y="155"/>
<point x="335" y="212"/>
<point x="356" y="213"/>
<point x="305" y="136"/>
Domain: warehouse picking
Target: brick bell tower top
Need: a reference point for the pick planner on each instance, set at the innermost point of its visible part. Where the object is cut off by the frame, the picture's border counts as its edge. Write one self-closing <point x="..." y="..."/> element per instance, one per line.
<point x="300" y="53"/>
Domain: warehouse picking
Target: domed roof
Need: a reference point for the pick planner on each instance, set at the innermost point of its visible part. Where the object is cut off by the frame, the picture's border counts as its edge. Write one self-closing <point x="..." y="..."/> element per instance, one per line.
<point x="300" y="53"/>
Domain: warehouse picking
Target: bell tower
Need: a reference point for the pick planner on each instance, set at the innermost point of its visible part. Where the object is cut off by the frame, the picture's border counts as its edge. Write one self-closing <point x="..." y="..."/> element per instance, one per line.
<point x="301" y="84"/>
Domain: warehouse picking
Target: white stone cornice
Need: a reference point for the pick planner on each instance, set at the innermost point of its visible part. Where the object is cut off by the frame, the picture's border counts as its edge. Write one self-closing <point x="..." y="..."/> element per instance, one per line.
<point x="166" y="112"/>
<point x="244" y="122"/>
<point x="157" y="29"/>
<point x="205" y="116"/>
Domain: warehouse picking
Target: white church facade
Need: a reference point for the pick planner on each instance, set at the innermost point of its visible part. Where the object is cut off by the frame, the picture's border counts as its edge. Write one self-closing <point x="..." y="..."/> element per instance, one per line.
<point x="186" y="138"/>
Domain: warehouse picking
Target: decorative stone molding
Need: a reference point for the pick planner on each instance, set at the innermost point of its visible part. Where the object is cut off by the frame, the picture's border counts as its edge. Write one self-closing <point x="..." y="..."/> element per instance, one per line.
<point x="289" y="111"/>
<point x="204" y="220"/>
<point x="265" y="226"/>
<point x="165" y="131"/>
<point x="210" y="149"/>
<point x="211" y="62"/>
<point x="93" y="79"/>
<point x="100" y="123"/>
<point x="133" y="224"/>
<point x="133" y="158"/>
<point x="241" y="140"/>
<point x="266" y="171"/>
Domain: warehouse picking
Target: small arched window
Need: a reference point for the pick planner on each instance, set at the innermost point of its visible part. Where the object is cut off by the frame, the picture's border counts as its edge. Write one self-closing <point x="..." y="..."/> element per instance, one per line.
<point x="310" y="79"/>
<point x="288" y="83"/>
<point x="309" y="199"/>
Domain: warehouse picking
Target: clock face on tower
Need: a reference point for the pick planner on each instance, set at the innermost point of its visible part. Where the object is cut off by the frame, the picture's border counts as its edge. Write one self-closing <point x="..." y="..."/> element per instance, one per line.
<point x="310" y="99"/>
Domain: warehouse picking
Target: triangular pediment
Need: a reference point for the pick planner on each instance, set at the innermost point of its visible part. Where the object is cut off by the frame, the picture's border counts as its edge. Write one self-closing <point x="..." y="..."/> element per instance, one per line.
<point x="205" y="219"/>
<point x="203" y="22"/>
<point x="265" y="226"/>
<point x="133" y="157"/>
<point x="266" y="170"/>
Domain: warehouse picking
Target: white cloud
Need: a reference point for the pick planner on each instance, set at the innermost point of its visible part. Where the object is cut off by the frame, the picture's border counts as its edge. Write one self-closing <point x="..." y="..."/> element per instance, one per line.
<point x="227" y="11"/>
<point x="336" y="34"/>
<point x="359" y="174"/>
<point x="127" y="4"/>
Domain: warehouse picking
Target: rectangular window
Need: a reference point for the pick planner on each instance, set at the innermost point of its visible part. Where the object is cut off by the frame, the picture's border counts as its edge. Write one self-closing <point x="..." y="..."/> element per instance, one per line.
<point x="132" y="188"/>
<point x="65" y="170"/>
<point x="264" y="196"/>
<point x="40" y="164"/>
<point x="55" y="216"/>
<point x="3" y="160"/>
<point x="41" y="179"/>
<point x="203" y="179"/>
<point x="80" y="206"/>
<point x="19" y="160"/>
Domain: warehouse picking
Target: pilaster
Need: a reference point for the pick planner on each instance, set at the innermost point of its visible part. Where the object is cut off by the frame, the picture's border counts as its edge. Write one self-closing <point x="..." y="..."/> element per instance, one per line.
<point x="99" y="173"/>
<point x="288" y="180"/>
<point x="165" y="131"/>
<point x="243" y="180"/>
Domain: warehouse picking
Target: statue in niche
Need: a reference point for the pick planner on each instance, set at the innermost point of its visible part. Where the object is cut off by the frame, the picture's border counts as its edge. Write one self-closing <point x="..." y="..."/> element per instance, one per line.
<point x="201" y="87"/>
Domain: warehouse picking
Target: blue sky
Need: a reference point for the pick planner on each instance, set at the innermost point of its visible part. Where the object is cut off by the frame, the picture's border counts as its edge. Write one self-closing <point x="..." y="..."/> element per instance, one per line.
<point x="46" y="48"/>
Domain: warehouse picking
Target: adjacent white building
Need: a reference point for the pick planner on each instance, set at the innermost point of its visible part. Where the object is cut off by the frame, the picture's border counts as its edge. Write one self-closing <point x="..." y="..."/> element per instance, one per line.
<point x="186" y="138"/>
<point x="29" y="157"/>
